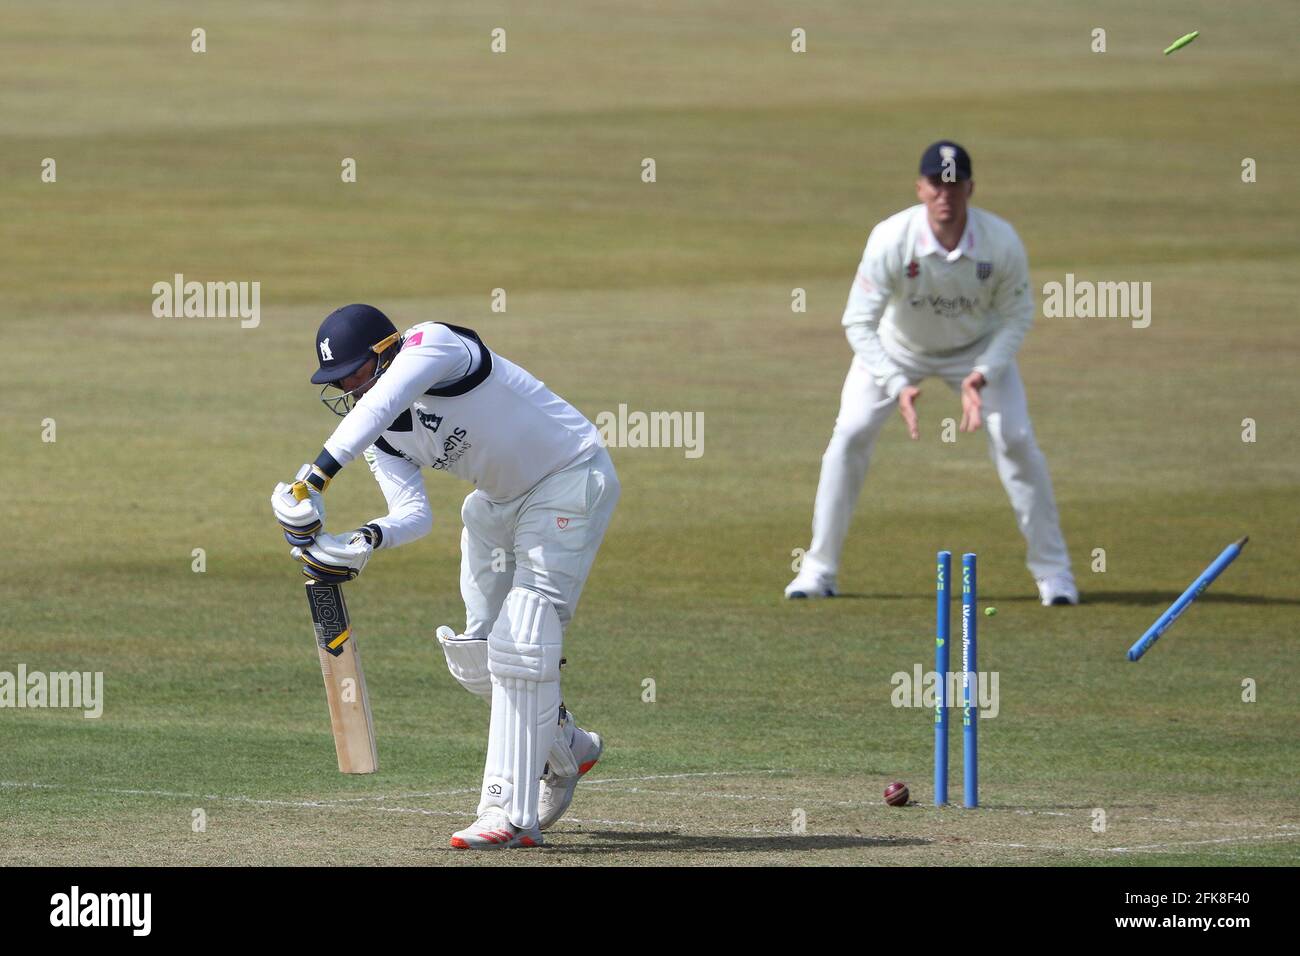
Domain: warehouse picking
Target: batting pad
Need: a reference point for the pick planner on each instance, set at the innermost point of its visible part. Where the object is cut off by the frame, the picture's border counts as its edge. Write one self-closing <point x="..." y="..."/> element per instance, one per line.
<point x="524" y="661"/>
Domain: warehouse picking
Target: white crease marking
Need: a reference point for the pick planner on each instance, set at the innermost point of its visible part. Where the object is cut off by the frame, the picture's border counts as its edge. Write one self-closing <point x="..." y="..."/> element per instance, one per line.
<point x="1292" y="830"/>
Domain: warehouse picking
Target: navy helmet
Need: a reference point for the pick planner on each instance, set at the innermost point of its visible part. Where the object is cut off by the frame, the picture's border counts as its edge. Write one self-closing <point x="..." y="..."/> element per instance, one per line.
<point x="345" y="341"/>
<point x="347" y="338"/>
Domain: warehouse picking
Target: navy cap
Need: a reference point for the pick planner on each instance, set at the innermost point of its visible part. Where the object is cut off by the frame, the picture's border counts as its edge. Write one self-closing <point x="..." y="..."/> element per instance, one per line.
<point x="946" y="155"/>
<point x="346" y="339"/>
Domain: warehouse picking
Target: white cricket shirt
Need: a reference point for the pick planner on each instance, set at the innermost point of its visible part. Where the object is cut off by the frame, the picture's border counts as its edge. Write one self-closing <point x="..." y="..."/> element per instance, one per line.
<point x="449" y="403"/>
<point x="912" y="293"/>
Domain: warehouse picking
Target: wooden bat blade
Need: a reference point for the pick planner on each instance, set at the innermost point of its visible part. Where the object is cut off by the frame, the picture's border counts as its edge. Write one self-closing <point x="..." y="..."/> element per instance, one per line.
<point x="345" y="680"/>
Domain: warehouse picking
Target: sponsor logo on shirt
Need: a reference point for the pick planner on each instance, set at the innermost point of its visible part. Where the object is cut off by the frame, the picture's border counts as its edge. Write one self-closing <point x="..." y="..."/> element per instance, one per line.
<point x="945" y="306"/>
<point x="454" y="447"/>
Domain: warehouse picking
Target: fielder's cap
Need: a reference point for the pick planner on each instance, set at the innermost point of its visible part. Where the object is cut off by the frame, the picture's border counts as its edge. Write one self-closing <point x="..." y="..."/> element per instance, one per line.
<point x="946" y="155"/>
<point x="346" y="339"/>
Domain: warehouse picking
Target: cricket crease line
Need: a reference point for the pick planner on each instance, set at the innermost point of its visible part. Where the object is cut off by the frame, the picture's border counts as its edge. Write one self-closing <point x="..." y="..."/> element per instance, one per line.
<point x="424" y="811"/>
<point x="1184" y="823"/>
<point x="380" y="797"/>
<point x="794" y="799"/>
<point x="688" y="829"/>
<point x="802" y="799"/>
<point x="1134" y="849"/>
<point x="319" y="804"/>
<point x="468" y="812"/>
<point x="676" y="827"/>
<point x="591" y="821"/>
<point x="603" y="780"/>
<point x="678" y="776"/>
<point x="175" y="794"/>
<point x="1028" y="846"/>
<point x="1213" y="823"/>
<point x="1161" y="846"/>
<point x="458" y="791"/>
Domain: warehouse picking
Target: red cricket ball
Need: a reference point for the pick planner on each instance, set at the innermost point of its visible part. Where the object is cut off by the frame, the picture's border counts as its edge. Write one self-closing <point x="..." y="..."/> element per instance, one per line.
<point x="896" y="794"/>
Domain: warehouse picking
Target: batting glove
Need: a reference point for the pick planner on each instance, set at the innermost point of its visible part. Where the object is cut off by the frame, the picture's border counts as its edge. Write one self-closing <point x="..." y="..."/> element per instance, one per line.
<point x="298" y="507"/>
<point x="334" y="559"/>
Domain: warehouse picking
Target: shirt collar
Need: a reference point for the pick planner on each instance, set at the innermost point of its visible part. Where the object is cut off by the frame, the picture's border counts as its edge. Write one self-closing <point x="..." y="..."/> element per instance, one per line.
<point x="926" y="243"/>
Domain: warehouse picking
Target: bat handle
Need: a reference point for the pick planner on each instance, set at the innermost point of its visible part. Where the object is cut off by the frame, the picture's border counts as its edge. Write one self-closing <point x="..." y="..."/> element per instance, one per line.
<point x="300" y="490"/>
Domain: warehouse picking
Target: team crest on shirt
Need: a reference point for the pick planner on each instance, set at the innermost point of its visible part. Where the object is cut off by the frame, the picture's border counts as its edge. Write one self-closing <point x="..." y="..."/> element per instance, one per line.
<point x="561" y="523"/>
<point x="913" y="269"/>
<point x="983" y="270"/>
<point x="428" y="419"/>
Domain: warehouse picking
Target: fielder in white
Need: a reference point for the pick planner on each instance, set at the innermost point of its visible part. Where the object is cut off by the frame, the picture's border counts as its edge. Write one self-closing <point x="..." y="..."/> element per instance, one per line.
<point x="436" y="397"/>
<point x="943" y="290"/>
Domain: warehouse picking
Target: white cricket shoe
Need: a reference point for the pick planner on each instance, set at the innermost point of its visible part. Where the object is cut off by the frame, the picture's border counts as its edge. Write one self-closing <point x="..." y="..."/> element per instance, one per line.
<point x="555" y="791"/>
<point x="811" y="584"/>
<point x="1058" y="589"/>
<point x="494" y="831"/>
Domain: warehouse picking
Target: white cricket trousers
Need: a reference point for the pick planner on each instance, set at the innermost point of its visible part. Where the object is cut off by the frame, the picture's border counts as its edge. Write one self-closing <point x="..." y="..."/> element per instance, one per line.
<point x="546" y="540"/>
<point x="865" y="408"/>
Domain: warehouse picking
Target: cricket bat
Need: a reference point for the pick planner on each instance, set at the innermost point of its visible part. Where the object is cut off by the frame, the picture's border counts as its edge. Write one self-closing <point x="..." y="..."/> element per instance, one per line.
<point x="345" y="681"/>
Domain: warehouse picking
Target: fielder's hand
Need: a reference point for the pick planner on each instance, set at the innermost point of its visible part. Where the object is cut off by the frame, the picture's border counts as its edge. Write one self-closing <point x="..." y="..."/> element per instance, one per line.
<point x="971" y="401"/>
<point x="907" y="397"/>
<point x="334" y="558"/>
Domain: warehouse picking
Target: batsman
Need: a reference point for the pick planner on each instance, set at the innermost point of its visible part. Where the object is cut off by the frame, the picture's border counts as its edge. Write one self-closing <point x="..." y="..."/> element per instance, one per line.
<point x="436" y="397"/>
<point x="942" y="291"/>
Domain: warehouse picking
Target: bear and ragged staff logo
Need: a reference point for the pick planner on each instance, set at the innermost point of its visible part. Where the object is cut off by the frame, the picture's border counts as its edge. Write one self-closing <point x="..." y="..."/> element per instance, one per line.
<point x="428" y="419"/>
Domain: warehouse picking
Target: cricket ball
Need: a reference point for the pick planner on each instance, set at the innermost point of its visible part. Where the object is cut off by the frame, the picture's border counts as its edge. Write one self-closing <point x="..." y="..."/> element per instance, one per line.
<point x="896" y="794"/>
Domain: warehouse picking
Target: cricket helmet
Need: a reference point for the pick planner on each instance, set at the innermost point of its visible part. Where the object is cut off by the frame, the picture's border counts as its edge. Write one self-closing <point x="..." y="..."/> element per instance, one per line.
<point x="345" y="341"/>
<point x="347" y="338"/>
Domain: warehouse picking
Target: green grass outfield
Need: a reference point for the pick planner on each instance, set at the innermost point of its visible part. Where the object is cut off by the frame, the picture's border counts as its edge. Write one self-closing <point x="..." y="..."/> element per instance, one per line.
<point x="521" y="171"/>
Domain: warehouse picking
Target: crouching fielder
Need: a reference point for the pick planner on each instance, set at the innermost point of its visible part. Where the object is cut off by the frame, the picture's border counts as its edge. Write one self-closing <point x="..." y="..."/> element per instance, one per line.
<point x="943" y="290"/>
<point x="437" y="397"/>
